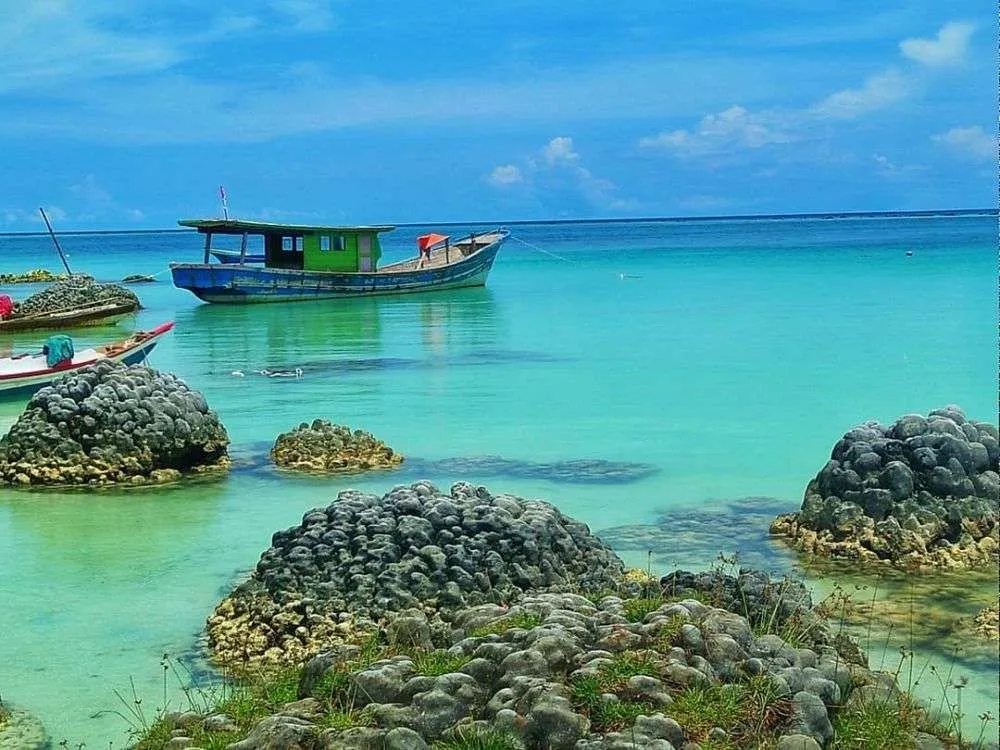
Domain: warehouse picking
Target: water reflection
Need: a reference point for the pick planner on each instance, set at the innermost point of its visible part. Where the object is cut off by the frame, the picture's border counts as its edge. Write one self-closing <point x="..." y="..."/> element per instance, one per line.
<point x="309" y="335"/>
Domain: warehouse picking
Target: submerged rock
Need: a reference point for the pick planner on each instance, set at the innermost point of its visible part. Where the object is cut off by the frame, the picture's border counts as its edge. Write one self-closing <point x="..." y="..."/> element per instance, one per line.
<point x="921" y="492"/>
<point x="414" y="548"/>
<point x="325" y="448"/>
<point x="74" y="291"/>
<point x="987" y="623"/>
<point x="20" y="730"/>
<point x="110" y="423"/>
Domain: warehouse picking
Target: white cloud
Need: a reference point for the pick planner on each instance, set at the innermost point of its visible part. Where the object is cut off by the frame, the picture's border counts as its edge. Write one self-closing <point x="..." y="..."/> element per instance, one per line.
<point x="732" y="128"/>
<point x="974" y="142"/>
<point x="558" y="168"/>
<point x="560" y="151"/>
<point x="507" y="174"/>
<point x="947" y="48"/>
<point x="879" y="91"/>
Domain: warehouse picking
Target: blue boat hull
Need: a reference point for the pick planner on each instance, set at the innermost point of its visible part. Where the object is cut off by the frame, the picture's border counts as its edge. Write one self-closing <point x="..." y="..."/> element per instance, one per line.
<point x="240" y="284"/>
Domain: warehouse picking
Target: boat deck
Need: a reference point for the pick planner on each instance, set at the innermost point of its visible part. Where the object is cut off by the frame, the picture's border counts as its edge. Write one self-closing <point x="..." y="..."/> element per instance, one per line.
<point x="441" y="257"/>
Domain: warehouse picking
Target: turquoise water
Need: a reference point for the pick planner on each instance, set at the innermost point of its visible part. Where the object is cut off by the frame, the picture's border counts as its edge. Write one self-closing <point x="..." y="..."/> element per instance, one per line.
<point x="728" y="356"/>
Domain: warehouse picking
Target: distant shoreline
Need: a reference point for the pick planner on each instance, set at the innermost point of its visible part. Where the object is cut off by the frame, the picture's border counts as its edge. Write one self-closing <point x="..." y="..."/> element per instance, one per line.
<point x="942" y="213"/>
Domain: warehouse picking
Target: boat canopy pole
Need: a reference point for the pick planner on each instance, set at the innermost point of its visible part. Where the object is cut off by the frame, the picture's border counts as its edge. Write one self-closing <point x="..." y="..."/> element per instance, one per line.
<point x="208" y="245"/>
<point x="243" y="249"/>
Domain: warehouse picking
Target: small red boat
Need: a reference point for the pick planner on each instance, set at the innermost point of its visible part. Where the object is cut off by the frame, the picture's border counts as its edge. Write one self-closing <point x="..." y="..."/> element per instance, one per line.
<point x="24" y="374"/>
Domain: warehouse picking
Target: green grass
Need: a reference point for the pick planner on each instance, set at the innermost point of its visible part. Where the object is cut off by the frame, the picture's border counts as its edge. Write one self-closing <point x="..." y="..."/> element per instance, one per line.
<point x="477" y="739"/>
<point x="613" y="716"/>
<point x="346" y="719"/>
<point x="750" y="712"/>
<point x="875" y="723"/>
<point x="586" y="691"/>
<point x="523" y="620"/>
<point x="615" y="676"/>
<point x="437" y="663"/>
<point x="637" y="609"/>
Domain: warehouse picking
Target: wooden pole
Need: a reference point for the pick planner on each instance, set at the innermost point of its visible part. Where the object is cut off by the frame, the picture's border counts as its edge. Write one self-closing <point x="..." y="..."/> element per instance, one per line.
<point x="208" y="245"/>
<point x="56" y="241"/>
<point x="243" y="249"/>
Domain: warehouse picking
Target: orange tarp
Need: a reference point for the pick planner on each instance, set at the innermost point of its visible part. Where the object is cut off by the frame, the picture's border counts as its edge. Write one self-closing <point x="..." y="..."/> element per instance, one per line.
<point x="427" y="241"/>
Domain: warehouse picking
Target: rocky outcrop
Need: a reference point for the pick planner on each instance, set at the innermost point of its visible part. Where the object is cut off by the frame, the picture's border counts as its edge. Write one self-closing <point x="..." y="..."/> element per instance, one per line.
<point x="111" y="423"/>
<point x="35" y="276"/>
<point x="922" y="492"/>
<point x="987" y="623"/>
<point x="20" y="730"/>
<point x="560" y="671"/>
<point x="74" y="291"/>
<point x="325" y="448"/>
<point x="416" y="547"/>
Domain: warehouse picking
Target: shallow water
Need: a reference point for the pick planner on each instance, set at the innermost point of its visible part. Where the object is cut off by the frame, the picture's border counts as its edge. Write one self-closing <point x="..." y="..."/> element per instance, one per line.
<point x="694" y="364"/>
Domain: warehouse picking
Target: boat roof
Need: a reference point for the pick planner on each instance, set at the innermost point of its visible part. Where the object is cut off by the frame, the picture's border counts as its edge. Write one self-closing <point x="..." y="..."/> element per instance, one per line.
<point x="235" y="226"/>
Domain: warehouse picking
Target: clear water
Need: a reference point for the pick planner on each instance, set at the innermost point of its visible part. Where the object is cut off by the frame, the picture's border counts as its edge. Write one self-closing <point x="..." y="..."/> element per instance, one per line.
<point x="727" y="355"/>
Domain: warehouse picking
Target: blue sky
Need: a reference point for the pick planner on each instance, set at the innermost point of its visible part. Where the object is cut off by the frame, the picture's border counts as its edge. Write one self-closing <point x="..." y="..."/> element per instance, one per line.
<point x="131" y="113"/>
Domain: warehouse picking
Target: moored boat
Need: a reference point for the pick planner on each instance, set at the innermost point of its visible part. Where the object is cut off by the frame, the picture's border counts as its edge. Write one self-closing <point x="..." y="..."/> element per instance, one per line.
<point x="25" y="373"/>
<point x="79" y="316"/>
<point x="330" y="262"/>
<point x="234" y="256"/>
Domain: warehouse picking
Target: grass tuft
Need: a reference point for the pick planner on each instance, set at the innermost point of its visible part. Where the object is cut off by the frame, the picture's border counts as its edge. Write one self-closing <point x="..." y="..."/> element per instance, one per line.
<point x="637" y="609"/>
<point x="437" y="663"/>
<point x="523" y="620"/>
<point x="477" y="739"/>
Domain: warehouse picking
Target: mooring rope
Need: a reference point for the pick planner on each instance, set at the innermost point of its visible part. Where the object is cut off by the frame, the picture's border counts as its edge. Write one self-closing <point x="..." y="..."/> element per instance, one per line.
<point x="542" y="250"/>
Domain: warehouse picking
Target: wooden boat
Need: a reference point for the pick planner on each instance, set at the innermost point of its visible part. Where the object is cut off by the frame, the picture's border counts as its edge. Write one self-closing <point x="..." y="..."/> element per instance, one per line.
<point x="25" y="373"/>
<point x="95" y="314"/>
<point x="234" y="256"/>
<point x="330" y="262"/>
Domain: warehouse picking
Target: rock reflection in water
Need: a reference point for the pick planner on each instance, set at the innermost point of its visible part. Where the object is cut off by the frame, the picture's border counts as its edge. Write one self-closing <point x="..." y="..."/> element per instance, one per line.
<point x="694" y="538"/>
<point x="255" y="458"/>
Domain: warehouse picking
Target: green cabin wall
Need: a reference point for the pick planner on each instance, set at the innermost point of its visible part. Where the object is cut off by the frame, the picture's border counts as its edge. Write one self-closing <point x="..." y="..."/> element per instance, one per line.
<point x="344" y="261"/>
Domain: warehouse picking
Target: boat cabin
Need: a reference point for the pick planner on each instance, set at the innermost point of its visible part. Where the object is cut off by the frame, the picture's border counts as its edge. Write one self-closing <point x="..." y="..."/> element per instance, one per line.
<point x="302" y="248"/>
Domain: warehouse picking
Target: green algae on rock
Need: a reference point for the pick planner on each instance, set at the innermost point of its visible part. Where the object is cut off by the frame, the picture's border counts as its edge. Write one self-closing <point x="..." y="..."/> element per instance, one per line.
<point x="111" y="423"/>
<point x="326" y="448"/>
<point x="920" y="493"/>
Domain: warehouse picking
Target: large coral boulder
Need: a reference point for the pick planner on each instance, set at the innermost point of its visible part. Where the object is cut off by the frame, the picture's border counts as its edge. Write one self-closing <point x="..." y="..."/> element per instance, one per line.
<point x="325" y="448"/>
<point x="922" y="492"/>
<point x="414" y="548"/>
<point x="111" y="423"/>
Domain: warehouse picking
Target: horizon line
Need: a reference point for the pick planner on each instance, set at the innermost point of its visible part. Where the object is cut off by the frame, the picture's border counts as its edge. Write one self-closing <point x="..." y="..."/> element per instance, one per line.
<point x="620" y="220"/>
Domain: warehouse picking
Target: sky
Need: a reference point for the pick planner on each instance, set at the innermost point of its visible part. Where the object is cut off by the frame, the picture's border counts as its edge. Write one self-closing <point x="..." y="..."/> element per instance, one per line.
<point x="129" y="114"/>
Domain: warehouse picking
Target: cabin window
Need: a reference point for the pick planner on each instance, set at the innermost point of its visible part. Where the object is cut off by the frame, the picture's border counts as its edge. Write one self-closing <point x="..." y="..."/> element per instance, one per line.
<point x="338" y="243"/>
<point x="324" y="243"/>
<point x="291" y="245"/>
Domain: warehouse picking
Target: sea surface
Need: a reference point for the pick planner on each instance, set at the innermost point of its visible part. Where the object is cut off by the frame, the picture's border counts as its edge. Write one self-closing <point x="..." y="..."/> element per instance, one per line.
<point x="672" y="384"/>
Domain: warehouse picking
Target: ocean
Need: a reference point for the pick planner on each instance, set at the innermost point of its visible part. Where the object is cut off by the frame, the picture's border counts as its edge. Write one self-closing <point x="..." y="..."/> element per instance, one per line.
<point x="671" y="384"/>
